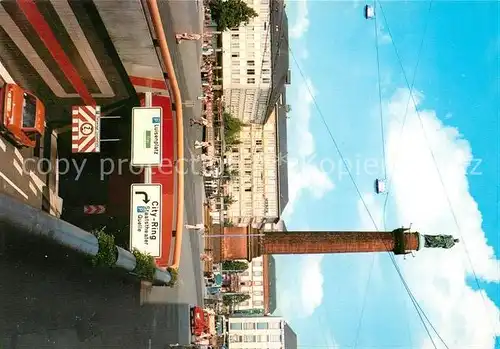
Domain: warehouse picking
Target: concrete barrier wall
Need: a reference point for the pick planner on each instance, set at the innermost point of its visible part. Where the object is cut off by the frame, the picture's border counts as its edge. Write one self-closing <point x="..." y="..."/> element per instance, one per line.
<point x="37" y="223"/>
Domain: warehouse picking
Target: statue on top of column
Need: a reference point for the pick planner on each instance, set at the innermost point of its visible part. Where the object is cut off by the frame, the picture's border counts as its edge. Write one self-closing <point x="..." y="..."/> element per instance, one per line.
<point x="440" y="241"/>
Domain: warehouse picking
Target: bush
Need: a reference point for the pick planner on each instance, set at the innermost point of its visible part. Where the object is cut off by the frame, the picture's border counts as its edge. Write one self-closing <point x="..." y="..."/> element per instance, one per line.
<point x="231" y="13"/>
<point x="107" y="254"/>
<point x="235" y="266"/>
<point x="174" y="273"/>
<point x="145" y="265"/>
<point x="232" y="126"/>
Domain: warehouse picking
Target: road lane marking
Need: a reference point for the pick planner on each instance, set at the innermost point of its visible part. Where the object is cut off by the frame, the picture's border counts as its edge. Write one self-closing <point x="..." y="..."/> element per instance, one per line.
<point x="9" y="182"/>
<point x="2" y="145"/>
<point x="38" y="182"/>
<point x="4" y="74"/>
<point x="17" y="166"/>
<point x="18" y="155"/>
<point x="33" y="189"/>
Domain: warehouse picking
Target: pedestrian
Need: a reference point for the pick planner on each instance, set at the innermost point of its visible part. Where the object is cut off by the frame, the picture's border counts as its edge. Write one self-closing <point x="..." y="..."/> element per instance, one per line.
<point x="186" y="36"/>
<point x="200" y="145"/>
<point x="200" y="121"/>
<point x="206" y="158"/>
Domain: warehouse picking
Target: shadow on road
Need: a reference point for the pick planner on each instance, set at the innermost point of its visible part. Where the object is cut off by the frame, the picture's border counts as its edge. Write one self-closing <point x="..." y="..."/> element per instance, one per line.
<point x="51" y="298"/>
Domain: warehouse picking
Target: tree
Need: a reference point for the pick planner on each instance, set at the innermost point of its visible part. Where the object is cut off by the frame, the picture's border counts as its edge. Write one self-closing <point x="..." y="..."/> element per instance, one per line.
<point x="231" y="13"/>
<point x="232" y="128"/>
<point x="230" y="172"/>
<point x="235" y="298"/>
<point x="228" y="200"/>
<point x="250" y="312"/>
<point x="228" y="223"/>
<point x="235" y="266"/>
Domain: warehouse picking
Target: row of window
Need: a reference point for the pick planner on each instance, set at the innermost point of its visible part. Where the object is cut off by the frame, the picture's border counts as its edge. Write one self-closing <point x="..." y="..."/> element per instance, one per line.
<point x="256" y="339"/>
<point x="254" y="303"/>
<point x="255" y="326"/>
<point x="250" y="81"/>
<point x="255" y="273"/>
<point x="251" y="72"/>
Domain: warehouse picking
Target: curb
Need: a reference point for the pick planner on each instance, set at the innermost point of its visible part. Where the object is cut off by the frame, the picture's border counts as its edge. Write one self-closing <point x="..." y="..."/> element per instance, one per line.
<point x="37" y="223"/>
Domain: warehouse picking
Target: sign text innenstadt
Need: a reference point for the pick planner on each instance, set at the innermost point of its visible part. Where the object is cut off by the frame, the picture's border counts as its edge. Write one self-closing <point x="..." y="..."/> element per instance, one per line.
<point x="146" y="136"/>
<point x="145" y="218"/>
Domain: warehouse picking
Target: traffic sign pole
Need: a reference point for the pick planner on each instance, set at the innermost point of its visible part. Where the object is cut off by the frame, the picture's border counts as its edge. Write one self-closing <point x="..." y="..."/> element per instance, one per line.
<point x="148" y="102"/>
<point x="110" y="139"/>
<point x="146" y="199"/>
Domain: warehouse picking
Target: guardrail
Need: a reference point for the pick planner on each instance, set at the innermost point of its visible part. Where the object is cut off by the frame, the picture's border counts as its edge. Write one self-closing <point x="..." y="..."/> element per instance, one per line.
<point x="34" y="222"/>
<point x="167" y="60"/>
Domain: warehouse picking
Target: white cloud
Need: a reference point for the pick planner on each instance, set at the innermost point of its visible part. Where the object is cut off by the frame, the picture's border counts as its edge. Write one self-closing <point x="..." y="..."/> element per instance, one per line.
<point x="356" y="3"/>
<point x="301" y="23"/>
<point x="463" y="316"/>
<point x="383" y="36"/>
<point x="302" y="296"/>
<point x="311" y="291"/>
<point x="303" y="174"/>
<point x="375" y="212"/>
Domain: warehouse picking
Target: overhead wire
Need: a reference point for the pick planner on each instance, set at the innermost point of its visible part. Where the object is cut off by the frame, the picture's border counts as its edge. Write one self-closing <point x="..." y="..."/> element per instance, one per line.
<point x="419" y="310"/>
<point x="363" y="201"/>
<point x="436" y="166"/>
<point x="415" y="303"/>
<point x="363" y="304"/>
<point x="380" y="92"/>
<point x="498" y="150"/>
<point x="411" y="87"/>
<point x="365" y="297"/>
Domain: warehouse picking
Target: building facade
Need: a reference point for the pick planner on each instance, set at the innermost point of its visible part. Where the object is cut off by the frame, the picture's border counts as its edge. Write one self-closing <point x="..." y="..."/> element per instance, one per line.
<point x="246" y="65"/>
<point x="255" y="190"/>
<point x="266" y="332"/>
<point x="255" y="62"/>
<point x="252" y="283"/>
<point x="259" y="282"/>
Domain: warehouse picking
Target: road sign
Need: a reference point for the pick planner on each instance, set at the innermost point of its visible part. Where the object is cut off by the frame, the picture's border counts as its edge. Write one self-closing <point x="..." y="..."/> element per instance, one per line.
<point x="94" y="209"/>
<point x="86" y="131"/>
<point x="145" y="218"/>
<point x="147" y="127"/>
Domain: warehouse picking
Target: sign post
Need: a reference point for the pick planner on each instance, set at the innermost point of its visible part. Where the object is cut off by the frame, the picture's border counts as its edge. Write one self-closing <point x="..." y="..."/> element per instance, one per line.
<point x="86" y="129"/>
<point x="145" y="218"/>
<point x="147" y="127"/>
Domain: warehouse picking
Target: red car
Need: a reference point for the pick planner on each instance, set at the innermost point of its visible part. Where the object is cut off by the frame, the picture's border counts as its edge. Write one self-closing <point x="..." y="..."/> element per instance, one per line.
<point x="201" y="321"/>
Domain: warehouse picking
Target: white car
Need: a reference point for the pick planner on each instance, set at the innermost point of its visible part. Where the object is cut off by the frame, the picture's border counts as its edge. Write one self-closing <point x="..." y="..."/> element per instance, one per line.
<point x="379" y="186"/>
<point x="369" y="12"/>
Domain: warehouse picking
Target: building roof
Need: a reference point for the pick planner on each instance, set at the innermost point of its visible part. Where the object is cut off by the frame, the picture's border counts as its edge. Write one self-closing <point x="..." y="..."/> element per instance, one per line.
<point x="290" y="338"/>
<point x="281" y="134"/>
<point x="271" y="282"/>
<point x="281" y="226"/>
<point x="280" y="58"/>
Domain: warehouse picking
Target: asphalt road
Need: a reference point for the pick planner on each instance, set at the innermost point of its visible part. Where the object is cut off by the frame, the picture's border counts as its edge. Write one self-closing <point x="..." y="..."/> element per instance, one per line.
<point x="186" y="58"/>
<point x="23" y="175"/>
<point x="49" y="300"/>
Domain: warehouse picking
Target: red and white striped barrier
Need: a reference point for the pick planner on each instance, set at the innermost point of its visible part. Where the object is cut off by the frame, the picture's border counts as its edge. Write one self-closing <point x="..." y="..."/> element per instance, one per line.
<point x="86" y="129"/>
<point x="94" y="209"/>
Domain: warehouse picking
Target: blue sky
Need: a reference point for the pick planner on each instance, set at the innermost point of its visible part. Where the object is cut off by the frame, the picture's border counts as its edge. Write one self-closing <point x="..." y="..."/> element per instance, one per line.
<point x="340" y="301"/>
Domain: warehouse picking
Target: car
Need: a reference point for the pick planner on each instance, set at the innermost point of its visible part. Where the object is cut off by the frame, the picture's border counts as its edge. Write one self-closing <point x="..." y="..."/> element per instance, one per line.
<point x="380" y="186"/>
<point x="369" y="12"/>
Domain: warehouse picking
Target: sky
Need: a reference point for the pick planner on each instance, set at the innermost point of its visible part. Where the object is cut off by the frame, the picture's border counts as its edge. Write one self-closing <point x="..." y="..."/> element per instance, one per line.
<point x="438" y="153"/>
